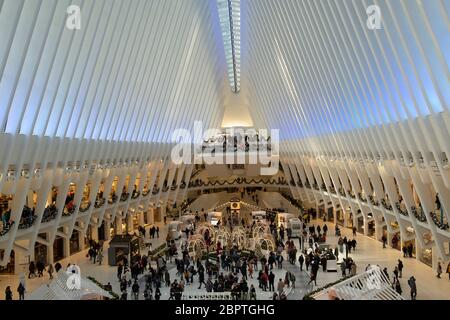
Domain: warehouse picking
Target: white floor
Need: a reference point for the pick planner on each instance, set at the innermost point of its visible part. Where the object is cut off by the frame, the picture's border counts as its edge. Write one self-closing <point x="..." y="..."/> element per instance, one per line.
<point x="368" y="251"/>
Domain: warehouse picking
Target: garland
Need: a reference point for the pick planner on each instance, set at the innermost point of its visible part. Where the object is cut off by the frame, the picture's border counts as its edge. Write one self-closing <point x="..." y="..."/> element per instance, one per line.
<point x="112" y="293"/>
<point x="82" y="210"/>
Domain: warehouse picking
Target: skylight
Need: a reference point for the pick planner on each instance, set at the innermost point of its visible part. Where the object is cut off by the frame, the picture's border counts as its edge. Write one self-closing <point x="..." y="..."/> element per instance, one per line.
<point x="230" y="23"/>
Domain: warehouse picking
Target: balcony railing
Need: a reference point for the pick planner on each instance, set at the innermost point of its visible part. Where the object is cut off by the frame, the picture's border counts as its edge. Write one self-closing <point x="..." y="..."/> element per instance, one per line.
<point x="69" y="209"/>
<point x="99" y="202"/>
<point x="84" y="207"/>
<point x="441" y="225"/>
<point x="401" y="210"/>
<point x="124" y="196"/>
<point x="362" y="197"/>
<point x="135" y="194"/>
<point x="418" y="213"/>
<point x="386" y="205"/>
<point x="112" y="198"/>
<point x="50" y="213"/>
<point x="27" y="219"/>
<point x="6" y="228"/>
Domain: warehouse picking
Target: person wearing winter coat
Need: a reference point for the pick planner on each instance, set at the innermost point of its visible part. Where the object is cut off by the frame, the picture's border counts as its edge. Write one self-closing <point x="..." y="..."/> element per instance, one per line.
<point x="21" y="291"/>
<point x="8" y="293"/>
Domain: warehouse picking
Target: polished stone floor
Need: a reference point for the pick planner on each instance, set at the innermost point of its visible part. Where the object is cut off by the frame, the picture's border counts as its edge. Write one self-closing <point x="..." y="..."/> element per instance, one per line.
<point x="368" y="251"/>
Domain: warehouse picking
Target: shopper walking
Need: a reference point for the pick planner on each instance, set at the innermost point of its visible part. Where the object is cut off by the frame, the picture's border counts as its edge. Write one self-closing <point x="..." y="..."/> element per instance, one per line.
<point x="21" y="291"/>
<point x="439" y="270"/>
<point x="400" y="268"/>
<point x="384" y="240"/>
<point x="413" y="286"/>
<point x="301" y="259"/>
<point x="8" y="293"/>
<point x="280" y="286"/>
<point x="50" y="270"/>
<point x="448" y="270"/>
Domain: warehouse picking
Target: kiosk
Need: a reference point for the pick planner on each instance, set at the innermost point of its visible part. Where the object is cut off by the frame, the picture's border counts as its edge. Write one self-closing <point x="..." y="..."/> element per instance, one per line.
<point x="175" y="229"/>
<point x="295" y="225"/>
<point x="123" y="246"/>
<point x="214" y="218"/>
<point x="259" y="216"/>
<point x="283" y="219"/>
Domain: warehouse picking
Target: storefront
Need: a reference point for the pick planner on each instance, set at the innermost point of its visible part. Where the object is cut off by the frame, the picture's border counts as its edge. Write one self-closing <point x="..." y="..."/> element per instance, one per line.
<point x="74" y="242"/>
<point x="411" y="246"/>
<point x="123" y="246"/>
<point x="371" y="229"/>
<point x="427" y="257"/>
<point x="330" y="216"/>
<point x="360" y="226"/>
<point x="396" y="241"/>
<point x="58" y="248"/>
<point x="340" y="219"/>
<point x="9" y="268"/>
<point x="102" y="232"/>
<point x="40" y="250"/>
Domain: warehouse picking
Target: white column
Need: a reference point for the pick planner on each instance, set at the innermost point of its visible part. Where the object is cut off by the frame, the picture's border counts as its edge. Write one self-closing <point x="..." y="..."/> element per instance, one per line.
<point x="107" y="230"/>
<point x="141" y="218"/>
<point x="163" y="211"/>
<point x="118" y="225"/>
<point x="94" y="233"/>
<point x="81" y="240"/>
<point x="130" y="223"/>
<point x="366" y="228"/>
<point x="49" y="254"/>
<point x="150" y="215"/>
<point x="66" y="243"/>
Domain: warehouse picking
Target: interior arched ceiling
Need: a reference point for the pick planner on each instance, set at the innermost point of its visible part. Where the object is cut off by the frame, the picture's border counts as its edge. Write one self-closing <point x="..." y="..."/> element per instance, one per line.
<point x="134" y="71"/>
<point x="315" y="70"/>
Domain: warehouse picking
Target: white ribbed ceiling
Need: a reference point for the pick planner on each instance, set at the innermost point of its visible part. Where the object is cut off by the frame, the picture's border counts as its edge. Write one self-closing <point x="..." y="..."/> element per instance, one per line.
<point x="135" y="71"/>
<point x="138" y="69"/>
<point x="313" y="67"/>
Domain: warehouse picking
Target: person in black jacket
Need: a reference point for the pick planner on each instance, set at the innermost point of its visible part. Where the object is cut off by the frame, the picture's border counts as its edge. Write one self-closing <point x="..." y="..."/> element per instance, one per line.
<point x="8" y="293"/>
<point x="21" y="291"/>
<point x="271" y="281"/>
<point x="301" y="259"/>
<point x="135" y="289"/>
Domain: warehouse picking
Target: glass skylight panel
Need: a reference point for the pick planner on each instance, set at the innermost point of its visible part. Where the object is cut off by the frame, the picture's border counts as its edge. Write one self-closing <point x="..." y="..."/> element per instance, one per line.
<point x="230" y="23"/>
